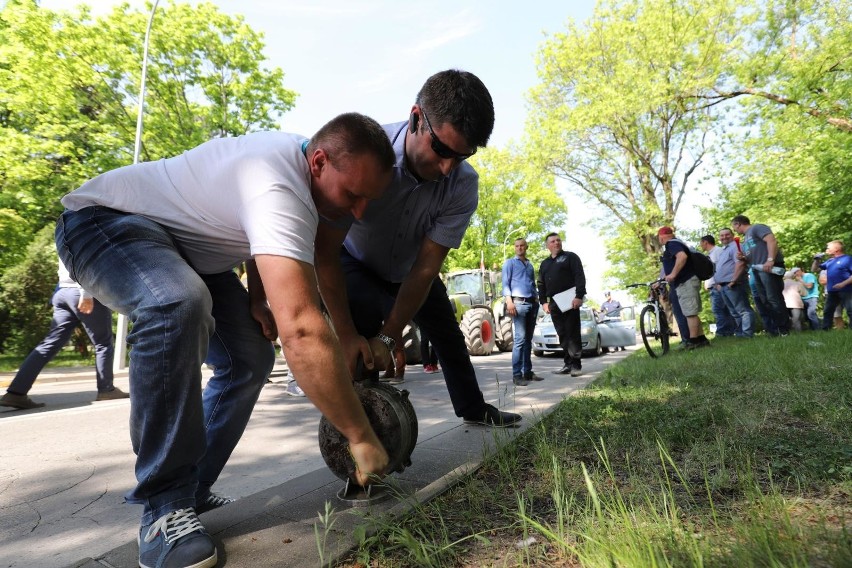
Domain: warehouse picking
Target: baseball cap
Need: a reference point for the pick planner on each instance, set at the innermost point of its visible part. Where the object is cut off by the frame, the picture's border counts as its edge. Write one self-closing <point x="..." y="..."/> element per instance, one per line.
<point x="665" y="231"/>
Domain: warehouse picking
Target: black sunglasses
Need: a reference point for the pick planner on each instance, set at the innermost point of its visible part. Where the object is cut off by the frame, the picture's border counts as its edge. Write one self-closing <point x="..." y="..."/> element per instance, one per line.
<point x="440" y="148"/>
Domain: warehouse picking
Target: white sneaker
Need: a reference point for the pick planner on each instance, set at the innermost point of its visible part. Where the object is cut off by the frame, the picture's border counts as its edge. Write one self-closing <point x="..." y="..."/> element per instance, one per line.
<point x="293" y="389"/>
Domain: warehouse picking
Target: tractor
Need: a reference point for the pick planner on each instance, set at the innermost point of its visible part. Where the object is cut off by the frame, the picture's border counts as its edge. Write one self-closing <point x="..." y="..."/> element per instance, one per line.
<point x="480" y="310"/>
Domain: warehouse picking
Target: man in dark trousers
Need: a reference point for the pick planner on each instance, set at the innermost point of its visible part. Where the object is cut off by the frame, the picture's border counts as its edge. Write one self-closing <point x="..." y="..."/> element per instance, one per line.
<point x="561" y="272"/>
<point x="380" y="271"/>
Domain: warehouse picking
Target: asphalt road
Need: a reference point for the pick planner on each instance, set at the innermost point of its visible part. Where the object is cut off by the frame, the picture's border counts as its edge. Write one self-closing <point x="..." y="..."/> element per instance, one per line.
<point x="64" y="469"/>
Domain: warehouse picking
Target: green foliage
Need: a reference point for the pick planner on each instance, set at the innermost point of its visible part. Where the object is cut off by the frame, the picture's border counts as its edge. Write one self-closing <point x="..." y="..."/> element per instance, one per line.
<point x="25" y="292"/>
<point x="513" y="194"/>
<point x="69" y="93"/>
<point x="618" y="113"/>
<point x="631" y="104"/>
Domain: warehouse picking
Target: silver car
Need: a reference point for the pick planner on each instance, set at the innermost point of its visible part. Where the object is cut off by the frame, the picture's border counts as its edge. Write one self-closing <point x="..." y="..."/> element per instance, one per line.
<point x="598" y="332"/>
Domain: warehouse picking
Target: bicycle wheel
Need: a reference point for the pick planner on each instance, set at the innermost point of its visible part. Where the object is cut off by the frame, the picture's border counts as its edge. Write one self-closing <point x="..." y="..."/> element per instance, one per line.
<point x="655" y="332"/>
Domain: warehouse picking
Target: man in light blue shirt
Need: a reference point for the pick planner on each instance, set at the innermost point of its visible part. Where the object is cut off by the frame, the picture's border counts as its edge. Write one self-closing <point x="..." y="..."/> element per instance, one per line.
<point x="731" y="282"/>
<point x="520" y="294"/>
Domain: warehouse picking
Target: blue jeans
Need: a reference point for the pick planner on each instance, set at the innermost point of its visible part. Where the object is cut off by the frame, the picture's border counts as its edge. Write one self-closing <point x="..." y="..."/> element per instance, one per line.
<point x="66" y="316"/>
<point x="811" y="311"/>
<point x="832" y="300"/>
<point x="370" y="301"/>
<point x="736" y="298"/>
<point x="769" y="289"/>
<point x="523" y="325"/>
<point x="181" y="438"/>
<point x="726" y="326"/>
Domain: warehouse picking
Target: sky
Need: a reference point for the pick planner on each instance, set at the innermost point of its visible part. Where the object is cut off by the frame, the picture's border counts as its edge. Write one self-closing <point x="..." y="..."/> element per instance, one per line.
<point x="372" y="56"/>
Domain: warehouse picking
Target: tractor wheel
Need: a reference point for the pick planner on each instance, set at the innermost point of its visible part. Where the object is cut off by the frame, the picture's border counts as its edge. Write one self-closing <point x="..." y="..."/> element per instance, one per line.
<point x="411" y="342"/>
<point x="505" y="339"/>
<point x="477" y="326"/>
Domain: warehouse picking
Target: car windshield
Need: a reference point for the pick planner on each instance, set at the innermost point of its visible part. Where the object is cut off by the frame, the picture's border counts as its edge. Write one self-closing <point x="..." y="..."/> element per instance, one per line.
<point x="470" y="284"/>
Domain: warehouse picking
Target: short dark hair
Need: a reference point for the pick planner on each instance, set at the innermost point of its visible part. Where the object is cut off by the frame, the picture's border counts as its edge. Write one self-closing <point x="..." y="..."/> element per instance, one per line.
<point x="551" y="235"/>
<point x="709" y="239"/>
<point x="741" y="219"/>
<point x="352" y="134"/>
<point x="462" y="100"/>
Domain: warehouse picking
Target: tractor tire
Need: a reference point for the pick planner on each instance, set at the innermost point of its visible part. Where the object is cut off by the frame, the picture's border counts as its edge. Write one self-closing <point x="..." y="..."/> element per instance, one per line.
<point x="505" y="338"/>
<point x="477" y="326"/>
<point x="411" y="343"/>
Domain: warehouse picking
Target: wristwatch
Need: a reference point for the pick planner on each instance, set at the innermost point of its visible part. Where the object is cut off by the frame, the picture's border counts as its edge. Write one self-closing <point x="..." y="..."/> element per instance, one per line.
<point x="387" y="340"/>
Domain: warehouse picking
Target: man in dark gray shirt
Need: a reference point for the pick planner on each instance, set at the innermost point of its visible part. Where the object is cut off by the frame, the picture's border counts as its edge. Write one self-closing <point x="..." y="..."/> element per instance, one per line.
<point x="386" y="272"/>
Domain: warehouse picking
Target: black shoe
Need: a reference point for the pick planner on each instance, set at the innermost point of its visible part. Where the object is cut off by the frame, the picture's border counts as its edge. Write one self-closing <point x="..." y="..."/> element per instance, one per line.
<point x="520" y="381"/>
<point x="491" y="416"/>
<point x="563" y="371"/>
<point x="532" y="377"/>
<point x="698" y="344"/>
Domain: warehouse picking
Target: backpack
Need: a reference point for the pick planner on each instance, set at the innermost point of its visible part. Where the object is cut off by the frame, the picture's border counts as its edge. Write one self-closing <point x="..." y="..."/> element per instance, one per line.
<point x="700" y="262"/>
<point x="701" y="265"/>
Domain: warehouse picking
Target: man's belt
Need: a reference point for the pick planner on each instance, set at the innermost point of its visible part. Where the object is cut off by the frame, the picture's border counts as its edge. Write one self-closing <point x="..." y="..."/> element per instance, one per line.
<point x="530" y="300"/>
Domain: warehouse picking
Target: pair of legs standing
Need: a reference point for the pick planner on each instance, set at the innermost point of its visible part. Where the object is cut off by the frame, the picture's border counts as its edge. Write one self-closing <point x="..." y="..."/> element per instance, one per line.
<point x="567" y="325"/>
<point x="768" y="289"/>
<point x="66" y="318"/>
<point x="523" y="326"/>
<point x="736" y="298"/>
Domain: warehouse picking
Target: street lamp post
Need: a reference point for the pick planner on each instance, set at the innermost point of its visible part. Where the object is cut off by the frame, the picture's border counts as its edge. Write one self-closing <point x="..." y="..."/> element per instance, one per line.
<point x="121" y="325"/>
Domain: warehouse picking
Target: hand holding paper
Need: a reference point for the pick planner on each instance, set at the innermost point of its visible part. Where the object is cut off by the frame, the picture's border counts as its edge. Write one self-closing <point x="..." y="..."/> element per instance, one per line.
<point x="565" y="299"/>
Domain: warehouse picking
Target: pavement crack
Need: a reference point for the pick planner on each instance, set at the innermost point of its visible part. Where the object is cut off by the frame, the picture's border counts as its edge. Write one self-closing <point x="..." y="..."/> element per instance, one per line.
<point x="95" y="500"/>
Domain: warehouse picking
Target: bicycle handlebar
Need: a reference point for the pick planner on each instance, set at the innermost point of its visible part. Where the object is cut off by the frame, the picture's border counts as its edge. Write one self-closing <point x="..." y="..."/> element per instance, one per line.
<point x="649" y="284"/>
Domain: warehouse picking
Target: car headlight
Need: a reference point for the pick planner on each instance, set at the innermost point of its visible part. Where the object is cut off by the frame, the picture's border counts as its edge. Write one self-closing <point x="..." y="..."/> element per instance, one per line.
<point x="585" y="330"/>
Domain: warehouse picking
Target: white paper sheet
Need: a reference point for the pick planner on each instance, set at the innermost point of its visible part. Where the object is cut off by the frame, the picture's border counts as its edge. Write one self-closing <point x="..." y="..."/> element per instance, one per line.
<point x="564" y="299"/>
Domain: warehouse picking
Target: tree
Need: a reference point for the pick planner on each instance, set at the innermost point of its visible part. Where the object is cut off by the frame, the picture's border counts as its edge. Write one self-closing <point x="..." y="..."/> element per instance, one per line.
<point x="616" y="113"/>
<point x="69" y="97"/>
<point x="513" y="194"/>
<point x="69" y="88"/>
<point x="791" y="168"/>
<point x="798" y="61"/>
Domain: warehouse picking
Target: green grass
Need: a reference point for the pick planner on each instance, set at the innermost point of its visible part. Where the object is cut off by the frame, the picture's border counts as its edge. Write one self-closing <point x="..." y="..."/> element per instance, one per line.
<point x="737" y="455"/>
<point x="65" y="358"/>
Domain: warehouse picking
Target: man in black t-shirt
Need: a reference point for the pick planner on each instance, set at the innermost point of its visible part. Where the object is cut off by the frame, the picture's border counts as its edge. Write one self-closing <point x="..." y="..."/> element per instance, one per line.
<point x="682" y="278"/>
<point x="561" y="271"/>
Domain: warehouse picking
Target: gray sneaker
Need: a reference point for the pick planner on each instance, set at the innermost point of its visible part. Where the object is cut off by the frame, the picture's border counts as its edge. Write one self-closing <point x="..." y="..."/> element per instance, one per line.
<point x="19" y="401"/>
<point x="176" y="539"/>
<point x="293" y="389"/>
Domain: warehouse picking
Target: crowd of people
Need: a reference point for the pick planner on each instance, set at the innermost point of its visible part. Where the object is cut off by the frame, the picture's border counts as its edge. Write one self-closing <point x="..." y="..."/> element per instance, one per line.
<point x="751" y="267"/>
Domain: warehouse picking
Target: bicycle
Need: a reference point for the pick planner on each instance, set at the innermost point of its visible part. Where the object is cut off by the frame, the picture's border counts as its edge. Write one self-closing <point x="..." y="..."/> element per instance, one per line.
<point x="653" y="323"/>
